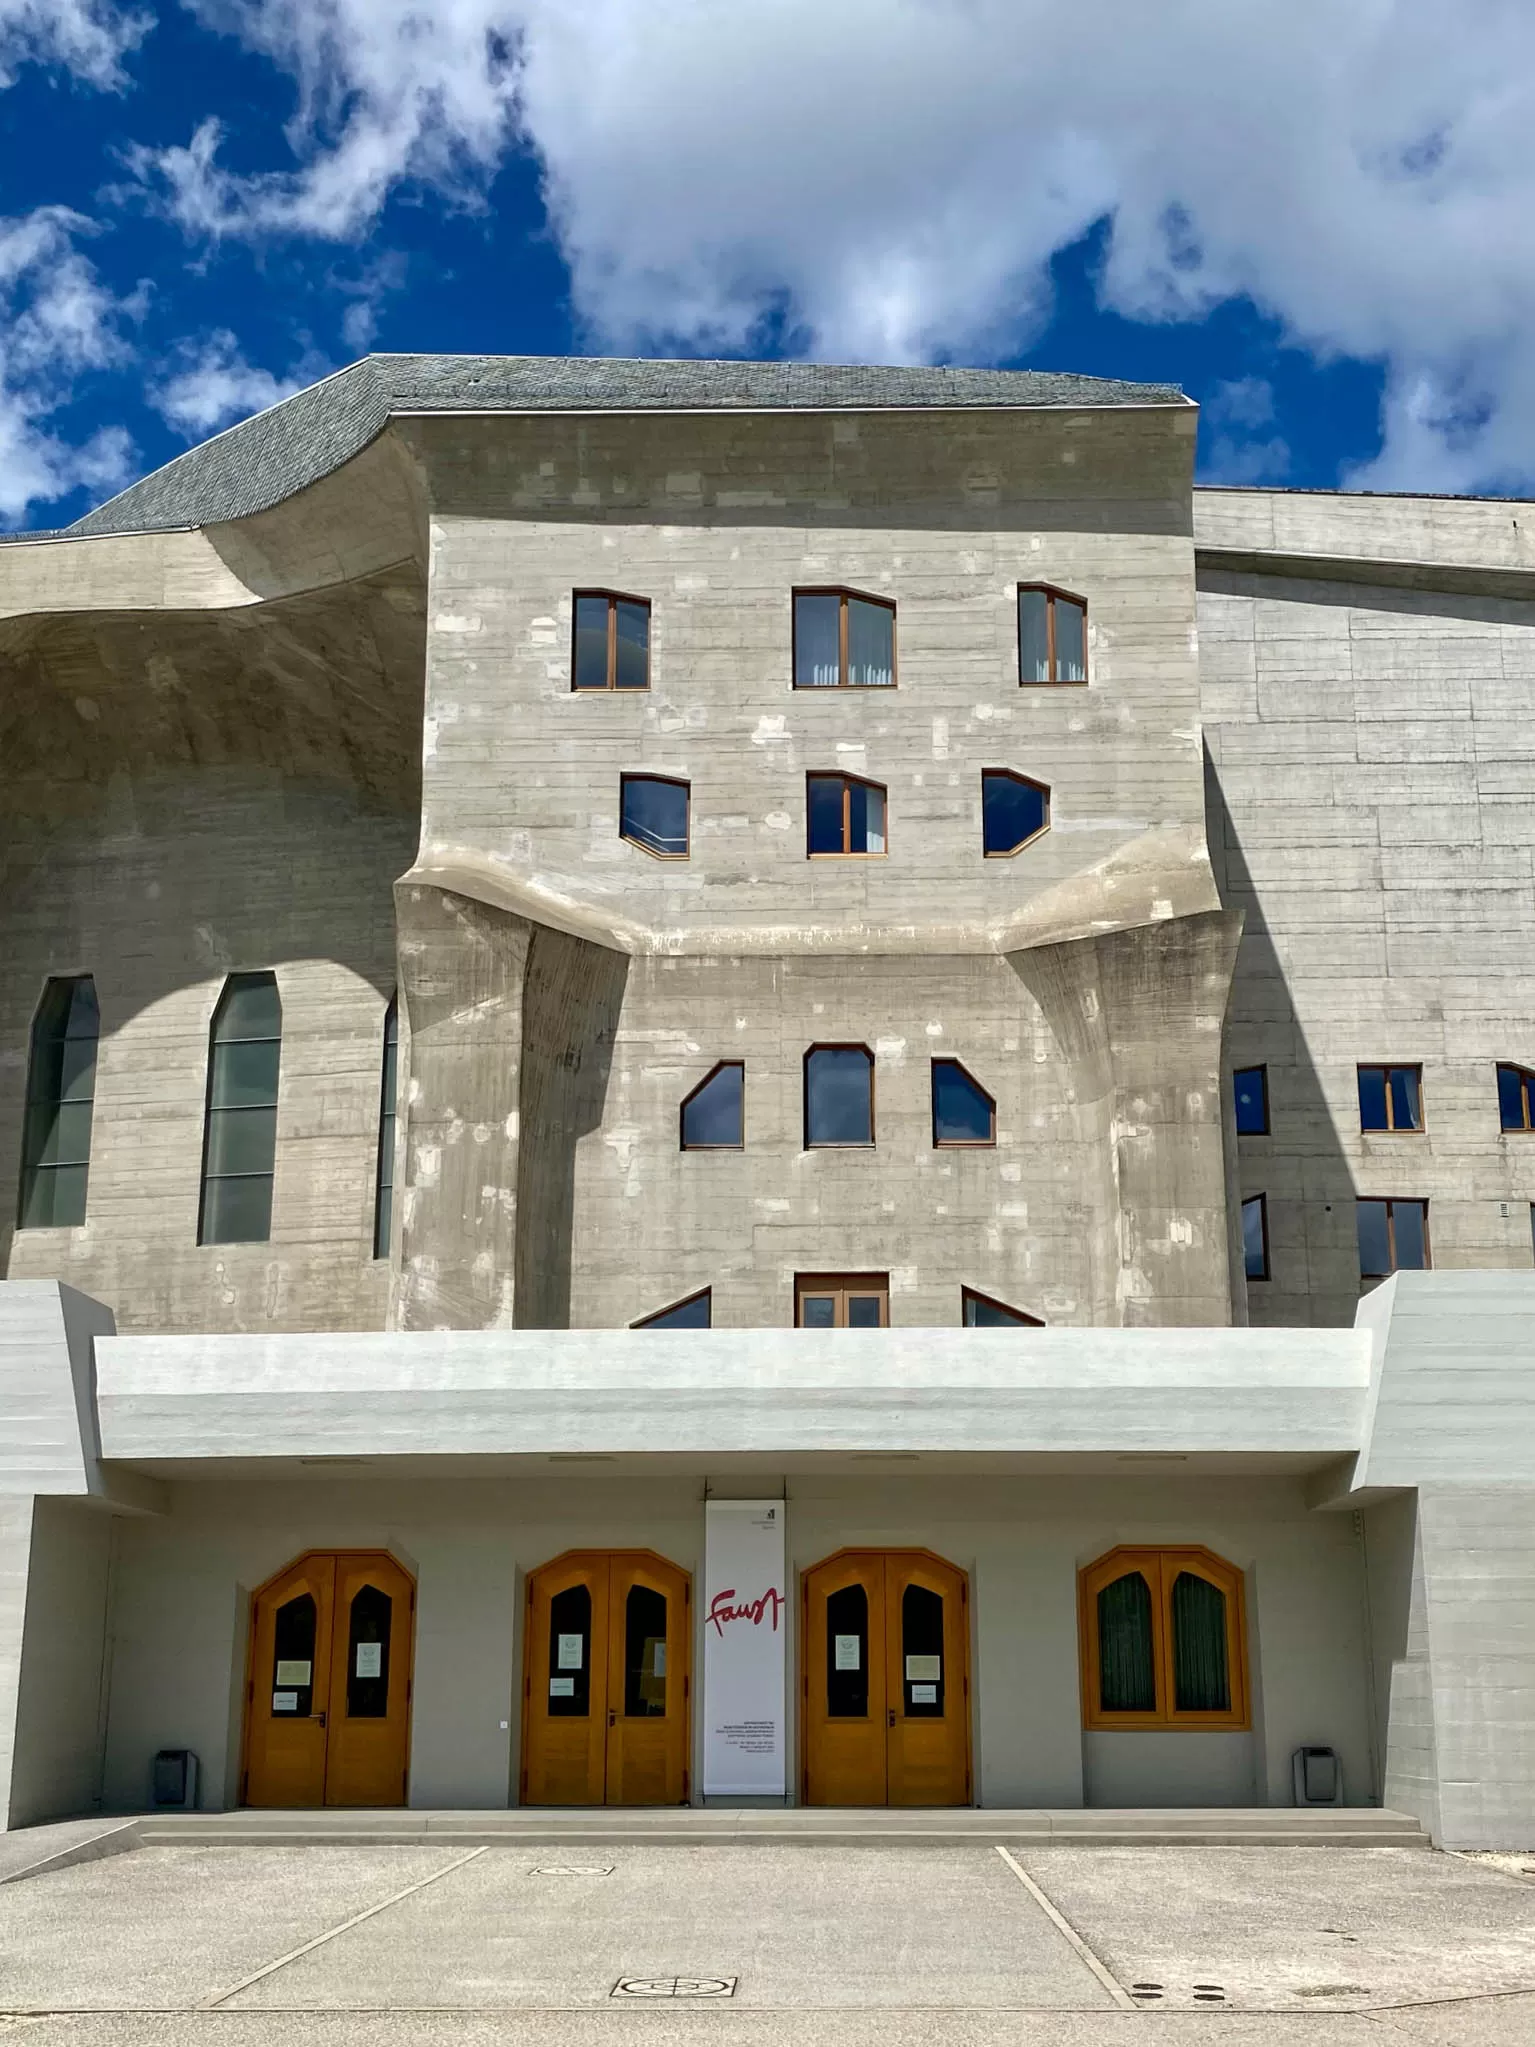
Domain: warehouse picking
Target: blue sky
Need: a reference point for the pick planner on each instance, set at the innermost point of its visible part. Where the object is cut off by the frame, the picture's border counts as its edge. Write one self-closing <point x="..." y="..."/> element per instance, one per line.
<point x="1319" y="220"/>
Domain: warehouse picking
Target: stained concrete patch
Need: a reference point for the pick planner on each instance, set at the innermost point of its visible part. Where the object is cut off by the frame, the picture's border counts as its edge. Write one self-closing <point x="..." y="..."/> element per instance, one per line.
<point x="1300" y="1929"/>
<point x="168" y="1926"/>
<point x="943" y="1928"/>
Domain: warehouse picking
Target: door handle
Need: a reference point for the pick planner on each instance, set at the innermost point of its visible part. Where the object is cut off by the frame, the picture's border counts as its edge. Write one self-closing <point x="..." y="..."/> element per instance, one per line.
<point x="612" y="1717"/>
<point x="321" y="1718"/>
<point x="892" y="1716"/>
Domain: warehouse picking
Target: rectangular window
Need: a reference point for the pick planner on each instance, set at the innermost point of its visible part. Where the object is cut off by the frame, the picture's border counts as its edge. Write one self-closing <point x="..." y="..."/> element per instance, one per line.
<point x="61" y="1095"/>
<point x="1393" y="1237"/>
<point x="383" y="1205"/>
<point x="653" y="814"/>
<point x="1250" y="1086"/>
<point x="844" y="640"/>
<point x="1516" y="1098"/>
<point x="240" y="1133"/>
<point x="1391" y="1098"/>
<point x="1052" y="635"/>
<point x="610" y="641"/>
<point x="1255" y="1236"/>
<point x="842" y="1300"/>
<point x="839" y="1095"/>
<point x="844" y="817"/>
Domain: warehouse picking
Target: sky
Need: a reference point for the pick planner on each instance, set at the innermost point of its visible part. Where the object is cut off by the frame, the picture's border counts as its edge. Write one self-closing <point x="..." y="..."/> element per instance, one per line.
<point x="1317" y="216"/>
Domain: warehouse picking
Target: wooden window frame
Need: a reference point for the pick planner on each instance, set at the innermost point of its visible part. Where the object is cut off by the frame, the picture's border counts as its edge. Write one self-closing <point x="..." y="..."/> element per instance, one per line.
<point x="1054" y="593"/>
<point x="973" y="1293"/>
<point x="1030" y="782"/>
<point x="960" y="1143"/>
<point x="823" y="1144"/>
<point x="847" y="781"/>
<point x="693" y="1092"/>
<point x="1160" y="1566"/>
<point x="1526" y="1079"/>
<point x="701" y="1293"/>
<point x="1391" y="1203"/>
<point x="1268" y="1121"/>
<point x="1387" y="1068"/>
<point x="1263" y="1217"/>
<point x="613" y="599"/>
<point x="842" y="1284"/>
<point x="676" y="782"/>
<point x="388" y="1130"/>
<point x="843" y="591"/>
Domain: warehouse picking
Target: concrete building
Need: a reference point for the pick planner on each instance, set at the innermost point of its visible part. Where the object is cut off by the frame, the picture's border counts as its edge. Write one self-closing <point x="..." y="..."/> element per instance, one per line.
<point x="738" y="1081"/>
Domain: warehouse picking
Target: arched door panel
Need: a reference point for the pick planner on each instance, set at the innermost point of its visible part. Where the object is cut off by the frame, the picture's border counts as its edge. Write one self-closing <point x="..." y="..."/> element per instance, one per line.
<point x="370" y="1683"/>
<point x="846" y="1675"/>
<point x="565" y="1687"/>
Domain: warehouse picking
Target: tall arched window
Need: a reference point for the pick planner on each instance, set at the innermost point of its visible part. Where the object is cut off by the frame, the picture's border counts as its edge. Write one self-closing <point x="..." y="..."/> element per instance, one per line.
<point x="1164" y="1640"/>
<point x="240" y="1133"/>
<point x="61" y="1091"/>
<point x="383" y="1203"/>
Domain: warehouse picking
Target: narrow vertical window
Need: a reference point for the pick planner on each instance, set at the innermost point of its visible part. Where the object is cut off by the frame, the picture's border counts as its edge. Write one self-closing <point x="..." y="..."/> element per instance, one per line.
<point x="1052" y="635"/>
<point x="1393" y="1237"/>
<point x="1255" y="1236"/>
<point x="843" y="640"/>
<point x="1250" y="1086"/>
<point x="383" y="1202"/>
<point x="240" y="1136"/>
<point x="610" y="641"/>
<point x="844" y="816"/>
<point x="1516" y="1098"/>
<point x="61" y="1093"/>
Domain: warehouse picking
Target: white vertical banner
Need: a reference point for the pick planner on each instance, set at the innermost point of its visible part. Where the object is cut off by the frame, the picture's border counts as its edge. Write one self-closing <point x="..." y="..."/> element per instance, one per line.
<point x="746" y="1624"/>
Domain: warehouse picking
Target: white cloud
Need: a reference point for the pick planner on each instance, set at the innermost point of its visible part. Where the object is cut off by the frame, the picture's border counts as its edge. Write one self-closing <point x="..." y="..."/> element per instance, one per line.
<point x="215" y="385"/>
<point x="1231" y="447"/>
<point x="892" y="177"/>
<point x="57" y="322"/>
<point x="87" y="37"/>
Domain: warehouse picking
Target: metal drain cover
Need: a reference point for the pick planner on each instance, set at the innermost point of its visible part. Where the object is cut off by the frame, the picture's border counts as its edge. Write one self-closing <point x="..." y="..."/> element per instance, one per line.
<point x="573" y="1869"/>
<point x="674" y="1986"/>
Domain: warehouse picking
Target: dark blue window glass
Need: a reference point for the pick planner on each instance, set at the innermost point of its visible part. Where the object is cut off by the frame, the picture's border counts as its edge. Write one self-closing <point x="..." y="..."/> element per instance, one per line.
<point x="839" y="1095"/>
<point x="1250" y="1085"/>
<point x="1516" y="1098"/>
<point x="1255" y="1237"/>
<point x="693" y="1313"/>
<point x="713" y="1115"/>
<point x="1013" y="810"/>
<point x="963" y="1112"/>
<point x="653" y="813"/>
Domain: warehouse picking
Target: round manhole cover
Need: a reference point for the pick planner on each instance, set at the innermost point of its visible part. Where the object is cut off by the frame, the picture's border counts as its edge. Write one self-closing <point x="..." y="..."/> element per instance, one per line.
<point x="674" y="1986"/>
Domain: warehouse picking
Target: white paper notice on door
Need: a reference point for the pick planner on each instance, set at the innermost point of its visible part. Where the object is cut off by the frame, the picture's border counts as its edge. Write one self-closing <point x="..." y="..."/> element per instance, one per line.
<point x="845" y="1653"/>
<point x="285" y="1702"/>
<point x="658" y="1662"/>
<point x="928" y="1668"/>
<point x="567" y="1654"/>
<point x="924" y="1695"/>
<point x="370" y="1659"/>
<point x="293" y="1673"/>
<point x="562" y="1687"/>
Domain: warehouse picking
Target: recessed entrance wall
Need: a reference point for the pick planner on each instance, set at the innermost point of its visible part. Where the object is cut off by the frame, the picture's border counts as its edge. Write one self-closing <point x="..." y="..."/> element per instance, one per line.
<point x="328" y="1684"/>
<point x="606" y="1687"/>
<point x="885" y="1688"/>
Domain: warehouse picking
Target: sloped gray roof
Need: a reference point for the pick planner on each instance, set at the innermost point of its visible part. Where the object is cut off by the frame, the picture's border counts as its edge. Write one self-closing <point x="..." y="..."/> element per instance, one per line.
<point x="265" y="459"/>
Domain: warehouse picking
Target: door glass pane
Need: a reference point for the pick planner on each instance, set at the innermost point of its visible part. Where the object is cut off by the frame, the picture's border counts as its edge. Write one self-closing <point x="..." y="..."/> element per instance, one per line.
<point x="1201" y="1680"/>
<point x="1033" y="636"/>
<point x="632" y="646"/>
<point x="570" y="1653"/>
<point x="293" y="1658"/>
<point x="922" y="1673"/>
<point x="1070" y="641"/>
<point x="817" y="630"/>
<point x="644" y="1653"/>
<point x="870" y="644"/>
<point x="864" y="1311"/>
<point x="1127" y="1680"/>
<point x="367" y="1655"/>
<point x="847" y="1654"/>
<point x="817" y="1311"/>
<point x="591" y="643"/>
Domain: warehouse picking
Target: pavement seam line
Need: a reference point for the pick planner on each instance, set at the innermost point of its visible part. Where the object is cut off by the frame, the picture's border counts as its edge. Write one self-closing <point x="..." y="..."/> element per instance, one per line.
<point x="308" y="1947"/>
<point x="1070" y="1935"/>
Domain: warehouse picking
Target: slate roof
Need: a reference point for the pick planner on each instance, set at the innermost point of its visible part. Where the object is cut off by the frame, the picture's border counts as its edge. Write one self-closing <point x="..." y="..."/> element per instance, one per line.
<point x="265" y="459"/>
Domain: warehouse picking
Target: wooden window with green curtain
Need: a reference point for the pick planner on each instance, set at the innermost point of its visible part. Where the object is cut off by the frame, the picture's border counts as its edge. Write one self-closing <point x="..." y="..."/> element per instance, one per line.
<point x="1163" y="1640"/>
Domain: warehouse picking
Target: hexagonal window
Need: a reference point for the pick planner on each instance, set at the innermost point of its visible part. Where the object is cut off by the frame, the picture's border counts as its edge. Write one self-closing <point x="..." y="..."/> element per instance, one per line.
<point x="1014" y="811"/>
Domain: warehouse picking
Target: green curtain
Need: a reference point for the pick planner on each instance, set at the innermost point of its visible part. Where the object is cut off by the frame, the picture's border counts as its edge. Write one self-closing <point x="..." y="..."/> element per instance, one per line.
<point x="1127" y="1677"/>
<point x="1201" y="1680"/>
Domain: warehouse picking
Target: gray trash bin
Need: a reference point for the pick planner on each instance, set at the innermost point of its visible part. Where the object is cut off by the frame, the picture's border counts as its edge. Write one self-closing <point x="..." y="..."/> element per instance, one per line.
<point x="174" y="1779"/>
<point x="1318" y="1777"/>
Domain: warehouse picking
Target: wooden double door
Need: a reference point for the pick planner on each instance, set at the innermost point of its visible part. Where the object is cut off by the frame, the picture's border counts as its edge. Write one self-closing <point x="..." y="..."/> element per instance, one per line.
<point x="606" y="1686"/>
<point x="327" y="1715"/>
<point x="885" y="1688"/>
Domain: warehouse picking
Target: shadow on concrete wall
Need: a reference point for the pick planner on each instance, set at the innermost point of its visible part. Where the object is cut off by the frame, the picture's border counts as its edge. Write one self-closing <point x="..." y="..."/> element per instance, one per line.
<point x="571" y="1003"/>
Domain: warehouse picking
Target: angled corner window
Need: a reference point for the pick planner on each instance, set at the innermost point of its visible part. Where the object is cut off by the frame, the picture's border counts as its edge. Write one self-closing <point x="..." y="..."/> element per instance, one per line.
<point x="1015" y="809"/>
<point x="694" y="1312"/>
<point x="963" y="1112"/>
<point x="1255" y="1236"/>
<point x="610" y="641"/>
<point x="1250" y="1088"/>
<point x="653" y="814"/>
<point x="1164" y="1640"/>
<point x="1052" y="634"/>
<point x="844" y="817"/>
<point x="383" y="1201"/>
<point x="1516" y="1098"/>
<point x="980" y="1311"/>
<point x="240" y="1132"/>
<point x="843" y="640"/>
<point x="61" y="1094"/>
<point x="1393" y="1237"/>
<point x="839" y="1095"/>
<point x="714" y="1114"/>
<point x="1391" y="1098"/>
